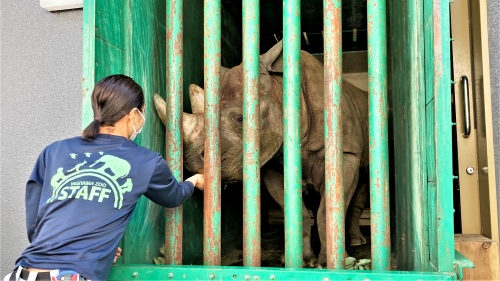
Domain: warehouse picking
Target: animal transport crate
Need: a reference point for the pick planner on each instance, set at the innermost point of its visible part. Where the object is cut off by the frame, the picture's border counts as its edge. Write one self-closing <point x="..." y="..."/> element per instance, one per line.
<point x="403" y="46"/>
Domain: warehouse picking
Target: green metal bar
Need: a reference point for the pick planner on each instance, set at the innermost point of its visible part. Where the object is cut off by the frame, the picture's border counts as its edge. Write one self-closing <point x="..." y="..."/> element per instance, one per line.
<point x="193" y="272"/>
<point x="251" y="147"/>
<point x="443" y="139"/>
<point x="88" y="63"/>
<point x="212" y="196"/>
<point x="378" y="135"/>
<point x="173" y="145"/>
<point x="334" y="184"/>
<point x="291" y="142"/>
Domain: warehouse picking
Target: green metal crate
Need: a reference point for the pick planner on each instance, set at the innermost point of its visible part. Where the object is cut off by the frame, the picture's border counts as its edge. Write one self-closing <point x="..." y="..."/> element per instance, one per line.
<point x="130" y="37"/>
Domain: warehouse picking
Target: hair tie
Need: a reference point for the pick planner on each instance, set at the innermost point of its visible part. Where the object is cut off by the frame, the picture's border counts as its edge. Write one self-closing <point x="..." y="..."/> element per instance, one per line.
<point x="99" y="119"/>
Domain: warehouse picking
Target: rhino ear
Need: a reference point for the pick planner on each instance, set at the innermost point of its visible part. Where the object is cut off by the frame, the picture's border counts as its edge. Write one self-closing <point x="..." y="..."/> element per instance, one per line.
<point x="161" y="108"/>
<point x="272" y="60"/>
<point x="197" y="97"/>
<point x="271" y="129"/>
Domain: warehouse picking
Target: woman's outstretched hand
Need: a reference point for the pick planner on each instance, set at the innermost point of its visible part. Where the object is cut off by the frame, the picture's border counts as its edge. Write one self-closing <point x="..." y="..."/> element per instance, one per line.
<point x="198" y="181"/>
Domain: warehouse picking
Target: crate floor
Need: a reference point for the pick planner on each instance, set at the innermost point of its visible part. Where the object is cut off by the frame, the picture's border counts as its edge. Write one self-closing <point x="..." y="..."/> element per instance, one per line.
<point x="273" y="243"/>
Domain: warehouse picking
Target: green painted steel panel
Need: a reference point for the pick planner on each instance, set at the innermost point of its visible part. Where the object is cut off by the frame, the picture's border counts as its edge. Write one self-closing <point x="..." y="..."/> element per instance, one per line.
<point x="442" y="137"/>
<point x="291" y="133"/>
<point x="145" y="63"/>
<point x="408" y="104"/>
<point x="142" y="272"/>
<point x="88" y="61"/>
<point x="110" y="19"/>
<point x="108" y="59"/>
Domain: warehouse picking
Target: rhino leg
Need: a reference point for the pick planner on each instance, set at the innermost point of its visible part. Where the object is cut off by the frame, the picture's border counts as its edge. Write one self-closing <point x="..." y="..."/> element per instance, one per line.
<point x="358" y="203"/>
<point x="351" y="174"/>
<point x="274" y="182"/>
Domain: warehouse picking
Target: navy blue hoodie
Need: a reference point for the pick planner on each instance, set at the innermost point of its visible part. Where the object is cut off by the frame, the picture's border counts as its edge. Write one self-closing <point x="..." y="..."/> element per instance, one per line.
<point x="80" y="197"/>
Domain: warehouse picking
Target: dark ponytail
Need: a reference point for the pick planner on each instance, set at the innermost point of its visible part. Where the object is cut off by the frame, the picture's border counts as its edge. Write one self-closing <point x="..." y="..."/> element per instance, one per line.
<point x="113" y="97"/>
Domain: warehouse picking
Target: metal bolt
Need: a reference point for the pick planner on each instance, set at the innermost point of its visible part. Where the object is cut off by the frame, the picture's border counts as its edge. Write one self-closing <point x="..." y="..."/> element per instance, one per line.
<point x="135" y="274"/>
<point x="485" y="170"/>
<point x="272" y="277"/>
<point x="247" y="277"/>
<point x="256" y="278"/>
<point x="170" y="275"/>
<point x="366" y="279"/>
<point x="212" y="276"/>
<point x="470" y="170"/>
<point x="326" y="279"/>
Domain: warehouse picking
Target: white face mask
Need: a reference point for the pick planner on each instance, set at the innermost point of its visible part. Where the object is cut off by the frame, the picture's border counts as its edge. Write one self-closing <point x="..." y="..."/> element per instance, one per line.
<point x="132" y="137"/>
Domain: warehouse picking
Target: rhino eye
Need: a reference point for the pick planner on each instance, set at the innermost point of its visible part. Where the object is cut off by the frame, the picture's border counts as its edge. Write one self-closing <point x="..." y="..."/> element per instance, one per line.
<point x="240" y="119"/>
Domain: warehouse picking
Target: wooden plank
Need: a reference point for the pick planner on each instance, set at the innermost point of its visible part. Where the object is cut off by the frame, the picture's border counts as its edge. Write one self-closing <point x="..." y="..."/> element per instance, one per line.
<point x="483" y="252"/>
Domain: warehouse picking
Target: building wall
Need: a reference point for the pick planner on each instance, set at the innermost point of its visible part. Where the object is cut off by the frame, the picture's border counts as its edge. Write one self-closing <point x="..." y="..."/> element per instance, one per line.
<point x="494" y="48"/>
<point x="41" y="70"/>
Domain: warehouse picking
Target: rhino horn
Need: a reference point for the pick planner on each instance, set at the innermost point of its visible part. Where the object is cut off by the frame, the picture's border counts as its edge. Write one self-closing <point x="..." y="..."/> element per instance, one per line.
<point x="272" y="60"/>
<point x="188" y="124"/>
<point x="161" y="108"/>
<point x="223" y="71"/>
<point x="197" y="97"/>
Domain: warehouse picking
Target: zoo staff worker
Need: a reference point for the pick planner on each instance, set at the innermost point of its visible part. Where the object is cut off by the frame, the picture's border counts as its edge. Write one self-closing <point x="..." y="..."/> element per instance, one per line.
<point x="83" y="190"/>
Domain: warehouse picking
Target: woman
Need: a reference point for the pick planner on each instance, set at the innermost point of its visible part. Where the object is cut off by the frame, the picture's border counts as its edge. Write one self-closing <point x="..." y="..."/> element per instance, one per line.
<point x="82" y="191"/>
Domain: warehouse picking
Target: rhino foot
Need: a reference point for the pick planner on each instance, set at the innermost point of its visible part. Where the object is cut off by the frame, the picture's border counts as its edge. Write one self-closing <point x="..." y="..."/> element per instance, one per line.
<point x="309" y="261"/>
<point x="356" y="238"/>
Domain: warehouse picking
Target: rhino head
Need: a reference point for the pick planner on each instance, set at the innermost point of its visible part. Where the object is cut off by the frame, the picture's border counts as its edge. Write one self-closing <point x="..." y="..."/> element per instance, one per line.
<point x="231" y="117"/>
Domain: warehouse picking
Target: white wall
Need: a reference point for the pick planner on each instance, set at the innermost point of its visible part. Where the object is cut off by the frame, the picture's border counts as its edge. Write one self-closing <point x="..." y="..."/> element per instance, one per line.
<point x="40" y="71"/>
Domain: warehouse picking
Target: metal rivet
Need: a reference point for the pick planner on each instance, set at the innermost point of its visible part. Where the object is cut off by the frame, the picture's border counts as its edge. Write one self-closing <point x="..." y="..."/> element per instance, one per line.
<point x="256" y="278"/>
<point x="247" y="277"/>
<point x="470" y="170"/>
<point x="212" y="276"/>
<point x="326" y="279"/>
<point x="62" y="278"/>
<point x="272" y="277"/>
<point x="135" y="274"/>
<point x="366" y="279"/>
<point x="170" y="275"/>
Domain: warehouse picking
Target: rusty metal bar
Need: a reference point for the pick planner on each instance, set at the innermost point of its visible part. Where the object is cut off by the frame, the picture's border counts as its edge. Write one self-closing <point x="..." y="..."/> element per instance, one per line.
<point x="378" y="135"/>
<point x="173" y="146"/>
<point x="291" y="140"/>
<point x="334" y="185"/>
<point x="251" y="148"/>
<point x="212" y="161"/>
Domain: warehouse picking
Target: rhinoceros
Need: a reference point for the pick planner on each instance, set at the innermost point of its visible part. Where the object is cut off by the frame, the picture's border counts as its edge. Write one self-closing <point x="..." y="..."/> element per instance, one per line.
<point x="354" y="107"/>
